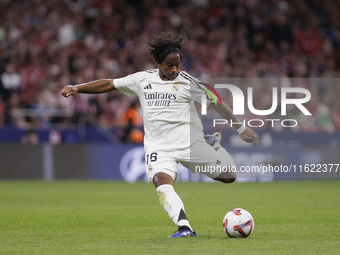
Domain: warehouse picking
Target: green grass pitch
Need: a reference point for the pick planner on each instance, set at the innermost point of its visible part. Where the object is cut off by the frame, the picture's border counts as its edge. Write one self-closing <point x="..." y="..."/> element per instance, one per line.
<point x="93" y="217"/>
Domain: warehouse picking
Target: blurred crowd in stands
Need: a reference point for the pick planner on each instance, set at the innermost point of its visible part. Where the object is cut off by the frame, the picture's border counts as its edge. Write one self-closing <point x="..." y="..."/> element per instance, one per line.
<point x="45" y="45"/>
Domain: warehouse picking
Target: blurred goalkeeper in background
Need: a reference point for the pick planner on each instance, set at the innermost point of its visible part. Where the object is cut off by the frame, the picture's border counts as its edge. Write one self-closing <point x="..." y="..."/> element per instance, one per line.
<point x="173" y="130"/>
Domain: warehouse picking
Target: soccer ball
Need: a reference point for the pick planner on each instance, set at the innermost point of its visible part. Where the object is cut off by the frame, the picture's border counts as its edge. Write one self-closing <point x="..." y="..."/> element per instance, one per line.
<point x="238" y="223"/>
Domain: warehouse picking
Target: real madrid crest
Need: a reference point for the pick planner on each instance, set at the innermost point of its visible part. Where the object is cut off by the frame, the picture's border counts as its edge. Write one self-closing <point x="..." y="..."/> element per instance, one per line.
<point x="175" y="87"/>
<point x="149" y="168"/>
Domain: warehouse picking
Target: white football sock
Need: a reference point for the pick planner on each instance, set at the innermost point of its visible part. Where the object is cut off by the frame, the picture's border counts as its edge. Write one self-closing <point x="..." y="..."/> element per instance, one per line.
<point x="172" y="204"/>
<point x="220" y="150"/>
<point x="226" y="156"/>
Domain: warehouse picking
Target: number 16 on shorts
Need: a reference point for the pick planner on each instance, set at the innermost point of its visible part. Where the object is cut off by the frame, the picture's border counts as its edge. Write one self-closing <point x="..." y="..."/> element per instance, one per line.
<point x="152" y="157"/>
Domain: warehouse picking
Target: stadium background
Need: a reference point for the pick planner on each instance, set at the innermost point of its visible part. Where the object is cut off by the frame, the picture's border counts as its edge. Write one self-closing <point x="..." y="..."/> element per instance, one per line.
<point x="46" y="45"/>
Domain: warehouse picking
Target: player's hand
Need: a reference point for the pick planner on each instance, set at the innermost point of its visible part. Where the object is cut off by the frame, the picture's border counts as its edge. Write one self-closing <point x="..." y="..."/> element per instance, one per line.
<point x="69" y="90"/>
<point x="250" y="136"/>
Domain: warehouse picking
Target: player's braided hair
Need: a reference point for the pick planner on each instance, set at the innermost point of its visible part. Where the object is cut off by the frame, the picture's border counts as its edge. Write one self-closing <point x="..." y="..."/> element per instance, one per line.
<point x="160" y="46"/>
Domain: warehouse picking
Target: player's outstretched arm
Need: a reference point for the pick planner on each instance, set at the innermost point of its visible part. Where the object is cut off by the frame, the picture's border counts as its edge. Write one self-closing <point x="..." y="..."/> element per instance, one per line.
<point x="247" y="134"/>
<point x="93" y="87"/>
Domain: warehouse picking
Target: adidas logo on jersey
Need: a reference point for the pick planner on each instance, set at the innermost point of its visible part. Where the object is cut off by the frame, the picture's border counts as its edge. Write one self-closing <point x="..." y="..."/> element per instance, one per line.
<point x="148" y="86"/>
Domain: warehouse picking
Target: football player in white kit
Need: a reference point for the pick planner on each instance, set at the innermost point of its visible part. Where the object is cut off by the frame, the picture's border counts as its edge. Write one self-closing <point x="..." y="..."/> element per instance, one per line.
<point x="173" y="130"/>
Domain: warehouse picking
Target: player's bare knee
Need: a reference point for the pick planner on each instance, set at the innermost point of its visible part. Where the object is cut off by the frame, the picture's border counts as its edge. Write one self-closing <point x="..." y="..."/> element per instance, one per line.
<point x="161" y="179"/>
<point x="228" y="177"/>
<point x="227" y="180"/>
<point x="231" y="179"/>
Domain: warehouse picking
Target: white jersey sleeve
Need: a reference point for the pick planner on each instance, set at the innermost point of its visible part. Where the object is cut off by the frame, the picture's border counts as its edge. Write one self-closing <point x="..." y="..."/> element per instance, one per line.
<point x="199" y="89"/>
<point x="127" y="85"/>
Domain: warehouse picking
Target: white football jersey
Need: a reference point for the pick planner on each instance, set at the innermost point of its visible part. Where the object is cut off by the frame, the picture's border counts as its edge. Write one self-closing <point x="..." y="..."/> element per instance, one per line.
<point x="170" y="118"/>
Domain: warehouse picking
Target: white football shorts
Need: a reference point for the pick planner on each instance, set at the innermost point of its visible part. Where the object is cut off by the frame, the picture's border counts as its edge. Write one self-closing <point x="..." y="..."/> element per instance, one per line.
<point x="200" y="157"/>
